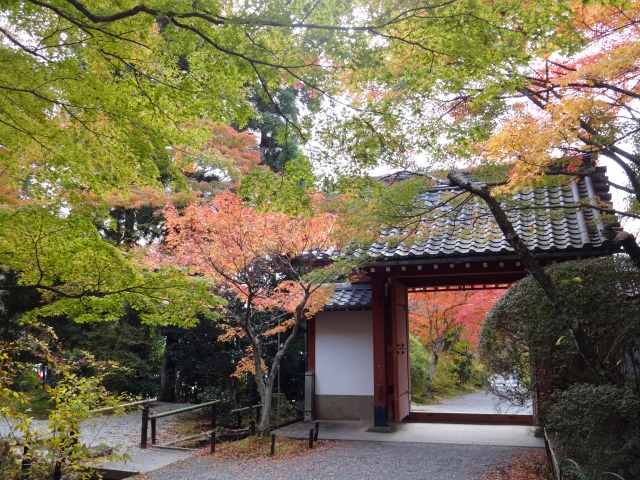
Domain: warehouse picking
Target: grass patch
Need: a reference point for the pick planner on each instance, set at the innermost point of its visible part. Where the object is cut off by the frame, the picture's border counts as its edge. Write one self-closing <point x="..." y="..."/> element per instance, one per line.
<point x="189" y="424"/>
<point x="39" y="404"/>
<point x="260" y="447"/>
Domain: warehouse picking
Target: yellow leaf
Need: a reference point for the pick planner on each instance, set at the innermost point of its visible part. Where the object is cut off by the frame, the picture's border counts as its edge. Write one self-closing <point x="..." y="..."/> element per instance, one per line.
<point x="577" y="280"/>
<point x="560" y="339"/>
<point x="47" y="388"/>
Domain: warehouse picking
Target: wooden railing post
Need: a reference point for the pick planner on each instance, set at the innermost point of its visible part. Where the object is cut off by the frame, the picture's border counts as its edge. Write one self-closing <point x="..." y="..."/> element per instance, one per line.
<point x="145" y="421"/>
<point x="26" y="462"/>
<point x="153" y="431"/>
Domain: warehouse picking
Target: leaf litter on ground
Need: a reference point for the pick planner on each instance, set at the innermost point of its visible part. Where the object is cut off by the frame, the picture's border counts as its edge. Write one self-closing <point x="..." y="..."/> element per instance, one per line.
<point x="260" y="448"/>
<point x="525" y="465"/>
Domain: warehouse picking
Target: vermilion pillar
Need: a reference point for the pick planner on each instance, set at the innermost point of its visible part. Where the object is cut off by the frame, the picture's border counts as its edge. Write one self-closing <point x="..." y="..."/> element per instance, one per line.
<point x="380" y="406"/>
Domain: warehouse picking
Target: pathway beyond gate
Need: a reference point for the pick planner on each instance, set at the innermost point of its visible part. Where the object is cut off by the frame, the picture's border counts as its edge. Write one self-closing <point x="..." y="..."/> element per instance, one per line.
<point x="476" y="402"/>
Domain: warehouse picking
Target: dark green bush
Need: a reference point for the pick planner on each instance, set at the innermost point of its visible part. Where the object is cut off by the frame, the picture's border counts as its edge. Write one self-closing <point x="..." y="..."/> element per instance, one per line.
<point x="598" y="427"/>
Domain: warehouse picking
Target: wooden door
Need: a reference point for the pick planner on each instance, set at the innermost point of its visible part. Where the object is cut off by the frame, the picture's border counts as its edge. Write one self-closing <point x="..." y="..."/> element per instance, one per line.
<point x="400" y="348"/>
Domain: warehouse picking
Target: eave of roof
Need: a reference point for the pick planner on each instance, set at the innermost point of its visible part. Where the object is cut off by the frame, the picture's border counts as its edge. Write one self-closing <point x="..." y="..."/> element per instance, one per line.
<point x="346" y="296"/>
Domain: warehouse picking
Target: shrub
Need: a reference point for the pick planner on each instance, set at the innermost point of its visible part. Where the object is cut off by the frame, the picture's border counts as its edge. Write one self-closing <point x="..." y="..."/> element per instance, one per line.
<point x="419" y="371"/>
<point x="598" y="427"/>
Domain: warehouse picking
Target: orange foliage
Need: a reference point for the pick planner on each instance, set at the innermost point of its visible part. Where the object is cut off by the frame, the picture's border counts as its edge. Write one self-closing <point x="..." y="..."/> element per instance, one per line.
<point x="237" y="245"/>
<point x="574" y="104"/>
<point x="433" y="314"/>
<point x="247" y="364"/>
<point x="233" y="154"/>
<point x="254" y="255"/>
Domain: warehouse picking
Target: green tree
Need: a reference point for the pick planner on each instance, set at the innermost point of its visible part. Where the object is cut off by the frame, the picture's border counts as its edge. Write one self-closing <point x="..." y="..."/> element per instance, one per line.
<point x="276" y="124"/>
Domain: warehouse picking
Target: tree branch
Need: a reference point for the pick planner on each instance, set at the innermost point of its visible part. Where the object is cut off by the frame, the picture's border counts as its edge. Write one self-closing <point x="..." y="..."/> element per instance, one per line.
<point x="535" y="269"/>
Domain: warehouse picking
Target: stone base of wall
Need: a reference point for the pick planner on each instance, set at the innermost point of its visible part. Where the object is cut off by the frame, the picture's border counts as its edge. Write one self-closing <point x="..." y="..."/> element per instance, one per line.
<point x="344" y="407"/>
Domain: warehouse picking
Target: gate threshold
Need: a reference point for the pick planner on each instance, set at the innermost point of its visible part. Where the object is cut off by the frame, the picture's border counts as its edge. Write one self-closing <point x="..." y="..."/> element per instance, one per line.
<point x="494" y="418"/>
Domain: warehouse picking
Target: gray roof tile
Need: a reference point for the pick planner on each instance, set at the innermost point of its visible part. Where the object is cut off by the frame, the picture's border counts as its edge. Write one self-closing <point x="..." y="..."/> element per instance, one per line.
<point x="545" y="228"/>
<point x="349" y="297"/>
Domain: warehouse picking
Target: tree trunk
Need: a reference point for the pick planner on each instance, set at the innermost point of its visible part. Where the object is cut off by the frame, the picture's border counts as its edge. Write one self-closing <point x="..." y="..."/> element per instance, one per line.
<point x="265" y="388"/>
<point x="432" y="367"/>
<point x="632" y="249"/>
<point x="535" y="269"/>
<point x="167" y="391"/>
<point x="265" y="420"/>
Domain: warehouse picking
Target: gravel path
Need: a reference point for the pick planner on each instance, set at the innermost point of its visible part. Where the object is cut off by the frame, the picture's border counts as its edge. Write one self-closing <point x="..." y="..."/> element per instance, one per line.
<point x="121" y="431"/>
<point x="477" y="402"/>
<point x="352" y="460"/>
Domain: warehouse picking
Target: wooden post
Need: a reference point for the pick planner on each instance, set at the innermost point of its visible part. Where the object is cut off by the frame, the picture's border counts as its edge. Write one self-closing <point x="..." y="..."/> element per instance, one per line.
<point x="257" y="415"/>
<point x="273" y="444"/>
<point x="26" y="462"/>
<point x="145" y="421"/>
<point x="213" y="416"/>
<point x="213" y="441"/>
<point x="311" y="438"/>
<point x="239" y="414"/>
<point x="315" y="432"/>
<point x="153" y="431"/>
<point x="252" y="428"/>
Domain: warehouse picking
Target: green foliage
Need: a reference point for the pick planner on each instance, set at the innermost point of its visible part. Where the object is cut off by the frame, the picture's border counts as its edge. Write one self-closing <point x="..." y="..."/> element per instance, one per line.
<point x="454" y="372"/>
<point x="287" y="192"/>
<point x="133" y="347"/>
<point x="71" y="399"/>
<point x="419" y="370"/>
<point x="88" y="279"/>
<point x="598" y="427"/>
<point x="27" y="381"/>
<point x="275" y="122"/>
<point x="575" y="470"/>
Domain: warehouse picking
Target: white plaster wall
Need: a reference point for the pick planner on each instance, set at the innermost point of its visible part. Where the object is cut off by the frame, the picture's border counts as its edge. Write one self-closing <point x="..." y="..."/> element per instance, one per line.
<point x="344" y="353"/>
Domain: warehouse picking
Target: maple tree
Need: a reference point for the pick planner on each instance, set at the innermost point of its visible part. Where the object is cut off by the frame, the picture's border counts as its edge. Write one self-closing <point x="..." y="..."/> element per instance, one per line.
<point x="264" y="260"/>
<point x="582" y="103"/>
<point x="441" y="318"/>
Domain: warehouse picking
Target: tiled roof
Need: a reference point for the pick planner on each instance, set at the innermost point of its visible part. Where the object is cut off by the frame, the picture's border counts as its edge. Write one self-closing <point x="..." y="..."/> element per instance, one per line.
<point x="471" y="230"/>
<point x="347" y="296"/>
